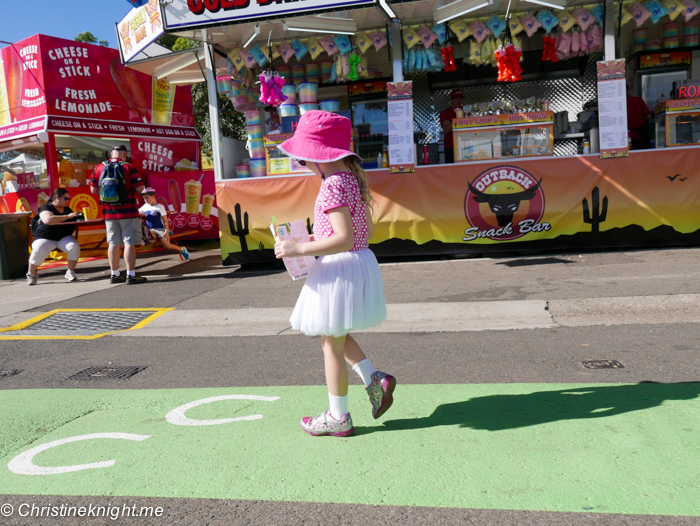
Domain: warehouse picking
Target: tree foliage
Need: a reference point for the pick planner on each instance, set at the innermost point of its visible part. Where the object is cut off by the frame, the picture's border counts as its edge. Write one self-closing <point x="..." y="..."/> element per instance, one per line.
<point x="232" y="123"/>
<point x="86" y="37"/>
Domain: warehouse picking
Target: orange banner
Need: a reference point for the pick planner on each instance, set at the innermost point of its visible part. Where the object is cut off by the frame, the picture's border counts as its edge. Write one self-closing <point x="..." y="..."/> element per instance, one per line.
<point x="651" y="198"/>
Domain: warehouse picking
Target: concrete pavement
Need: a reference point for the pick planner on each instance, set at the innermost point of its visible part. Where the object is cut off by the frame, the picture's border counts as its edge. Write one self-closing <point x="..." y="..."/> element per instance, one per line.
<point x="484" y="333"/>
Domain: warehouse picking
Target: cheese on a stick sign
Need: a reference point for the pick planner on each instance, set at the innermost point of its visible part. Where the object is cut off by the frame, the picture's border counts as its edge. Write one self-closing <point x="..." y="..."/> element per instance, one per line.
<point x="51" y="76"/>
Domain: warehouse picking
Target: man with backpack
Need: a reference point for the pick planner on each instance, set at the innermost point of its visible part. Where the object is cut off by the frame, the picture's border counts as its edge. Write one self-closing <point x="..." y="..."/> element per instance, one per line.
<point x="117" y="182"/>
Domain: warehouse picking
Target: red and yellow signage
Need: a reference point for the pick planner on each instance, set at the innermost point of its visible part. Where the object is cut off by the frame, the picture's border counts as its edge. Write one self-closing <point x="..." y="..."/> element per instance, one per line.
<point x="665" y="58"/>
<point x="485" y="206"/>
<point x="367" y="88"/>
<point x="501" y="120"/>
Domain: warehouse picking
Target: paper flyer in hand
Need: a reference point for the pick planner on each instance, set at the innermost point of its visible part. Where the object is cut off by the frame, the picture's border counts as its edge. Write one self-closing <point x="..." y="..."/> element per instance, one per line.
<point x="297" y="267"/>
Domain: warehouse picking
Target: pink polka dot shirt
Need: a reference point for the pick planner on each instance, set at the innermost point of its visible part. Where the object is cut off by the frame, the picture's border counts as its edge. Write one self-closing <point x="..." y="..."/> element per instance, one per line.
<point x="338" y="190"/>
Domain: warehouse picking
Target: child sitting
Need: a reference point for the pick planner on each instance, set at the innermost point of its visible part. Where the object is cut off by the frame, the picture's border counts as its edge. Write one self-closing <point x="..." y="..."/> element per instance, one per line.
<point x="157" y="221"/>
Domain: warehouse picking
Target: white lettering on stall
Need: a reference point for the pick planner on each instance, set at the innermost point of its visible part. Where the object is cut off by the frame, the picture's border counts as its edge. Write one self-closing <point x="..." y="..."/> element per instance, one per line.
<point x="23" y="463"/>
<point x="178" y="418"/>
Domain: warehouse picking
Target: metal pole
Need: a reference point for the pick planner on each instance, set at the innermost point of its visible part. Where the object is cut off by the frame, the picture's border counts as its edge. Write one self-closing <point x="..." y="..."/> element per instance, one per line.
<point x="396" y="52"/>
<point x="213" y="97"/>
<point x="610" y="30"/>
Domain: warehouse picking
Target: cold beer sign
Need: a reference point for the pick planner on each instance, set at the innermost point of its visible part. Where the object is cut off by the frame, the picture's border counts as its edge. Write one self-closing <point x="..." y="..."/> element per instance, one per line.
<point x="194" y="14"/>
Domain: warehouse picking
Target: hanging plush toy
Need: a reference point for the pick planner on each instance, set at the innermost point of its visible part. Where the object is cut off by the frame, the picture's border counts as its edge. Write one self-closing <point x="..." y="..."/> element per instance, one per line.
<point x="549" y="50"/>
<point x="514" y="67"/>
<point x="448" y="58"/>
<point x="354" y="61"/>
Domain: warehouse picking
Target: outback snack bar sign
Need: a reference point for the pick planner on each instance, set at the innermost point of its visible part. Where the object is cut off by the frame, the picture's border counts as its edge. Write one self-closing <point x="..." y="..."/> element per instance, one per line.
<point x="504" y="203"/>
<point x="194" y="14"/>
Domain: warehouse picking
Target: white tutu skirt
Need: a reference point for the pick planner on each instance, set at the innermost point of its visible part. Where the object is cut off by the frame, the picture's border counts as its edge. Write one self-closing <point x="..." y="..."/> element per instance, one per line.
<point x="343" y="293"/>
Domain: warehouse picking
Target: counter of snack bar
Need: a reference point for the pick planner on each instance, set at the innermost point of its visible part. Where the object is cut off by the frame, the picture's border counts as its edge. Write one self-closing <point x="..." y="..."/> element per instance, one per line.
<point x="548" y="203"/>
<point x="65" y="104"/>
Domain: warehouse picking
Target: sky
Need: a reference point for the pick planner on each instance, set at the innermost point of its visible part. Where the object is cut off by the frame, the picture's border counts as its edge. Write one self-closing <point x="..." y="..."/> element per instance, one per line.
<point x="62" y="18"/>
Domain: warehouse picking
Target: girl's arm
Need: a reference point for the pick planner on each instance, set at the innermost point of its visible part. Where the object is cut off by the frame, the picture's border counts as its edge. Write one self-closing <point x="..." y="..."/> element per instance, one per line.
<point x="341" y="241"/>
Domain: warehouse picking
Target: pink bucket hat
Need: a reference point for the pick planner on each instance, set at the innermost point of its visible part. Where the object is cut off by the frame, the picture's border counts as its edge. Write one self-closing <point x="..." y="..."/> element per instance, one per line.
<point x="321" y="137"/>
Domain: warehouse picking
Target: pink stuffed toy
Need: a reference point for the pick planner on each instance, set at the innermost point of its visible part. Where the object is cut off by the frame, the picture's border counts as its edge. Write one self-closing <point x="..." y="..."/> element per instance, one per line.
<point x="277" y="83"/>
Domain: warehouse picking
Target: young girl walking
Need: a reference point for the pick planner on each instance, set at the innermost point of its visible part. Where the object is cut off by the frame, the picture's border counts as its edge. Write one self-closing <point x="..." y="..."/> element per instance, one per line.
<point x="343" y="291"/>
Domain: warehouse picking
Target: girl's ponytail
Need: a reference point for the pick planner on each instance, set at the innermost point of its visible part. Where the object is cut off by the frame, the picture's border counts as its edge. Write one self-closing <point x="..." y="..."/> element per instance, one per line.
<point x="354" y="167"/>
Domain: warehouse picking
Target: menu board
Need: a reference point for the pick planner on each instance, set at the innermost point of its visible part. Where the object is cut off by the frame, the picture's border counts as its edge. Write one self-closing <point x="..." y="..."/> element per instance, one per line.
<point x="400" y="109"/>
<point x="612" y="109"/>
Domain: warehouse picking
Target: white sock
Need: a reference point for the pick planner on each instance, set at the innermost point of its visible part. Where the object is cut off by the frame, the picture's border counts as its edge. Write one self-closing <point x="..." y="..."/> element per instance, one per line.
<point x="115" y="273"/>
<point x="131" y="273"/>
<point x="339" y="405"/>
<point x="365" y="370"/>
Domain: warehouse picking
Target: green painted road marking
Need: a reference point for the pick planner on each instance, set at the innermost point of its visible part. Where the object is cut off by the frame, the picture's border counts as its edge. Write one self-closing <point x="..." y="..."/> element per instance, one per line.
<point x="552" y="447"/>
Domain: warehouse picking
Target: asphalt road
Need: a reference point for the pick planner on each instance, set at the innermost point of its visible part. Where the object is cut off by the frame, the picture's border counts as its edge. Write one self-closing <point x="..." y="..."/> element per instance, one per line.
<point x="643" y="307"/>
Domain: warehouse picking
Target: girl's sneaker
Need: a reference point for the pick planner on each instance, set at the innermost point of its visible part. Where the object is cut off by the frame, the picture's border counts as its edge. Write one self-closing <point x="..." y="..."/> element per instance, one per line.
<point x="31" y="279"/>
<point x="70" y="275"/>
<point x="325" y="424"/>
<point x="380" y="392"/>
<point x="185" y="254"/>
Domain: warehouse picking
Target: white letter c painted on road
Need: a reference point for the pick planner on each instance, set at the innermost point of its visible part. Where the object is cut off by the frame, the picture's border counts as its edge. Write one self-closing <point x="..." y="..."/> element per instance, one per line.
<point x="23" y="463"/>
<point x="178" y="418"/>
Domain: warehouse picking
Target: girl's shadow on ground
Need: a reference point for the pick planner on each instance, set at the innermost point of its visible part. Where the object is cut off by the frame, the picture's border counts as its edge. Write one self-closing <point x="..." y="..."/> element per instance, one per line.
<point x="505" y="411"/>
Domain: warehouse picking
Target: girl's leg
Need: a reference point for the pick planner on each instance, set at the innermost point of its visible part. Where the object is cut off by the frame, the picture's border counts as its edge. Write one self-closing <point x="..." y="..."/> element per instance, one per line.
<point x="352" y="351"/>
<point x="336" y="370"/>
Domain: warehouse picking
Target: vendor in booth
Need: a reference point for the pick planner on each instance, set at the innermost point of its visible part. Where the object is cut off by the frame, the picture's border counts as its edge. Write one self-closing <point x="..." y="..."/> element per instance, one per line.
<point x="638" y="115"/>
<point x="446" y="117"/>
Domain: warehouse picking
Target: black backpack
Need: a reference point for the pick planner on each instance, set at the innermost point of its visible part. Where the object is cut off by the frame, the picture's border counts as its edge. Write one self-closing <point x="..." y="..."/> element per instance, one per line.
<point x="35" y="222"/>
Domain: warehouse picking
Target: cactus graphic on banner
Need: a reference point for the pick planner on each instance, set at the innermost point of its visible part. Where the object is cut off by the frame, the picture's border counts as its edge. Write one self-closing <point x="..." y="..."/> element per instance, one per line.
<point x="597" y="217"/>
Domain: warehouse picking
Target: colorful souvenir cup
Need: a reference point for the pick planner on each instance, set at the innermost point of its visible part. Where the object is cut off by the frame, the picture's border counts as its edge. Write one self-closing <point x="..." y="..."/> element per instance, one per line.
<point x="670" y="29"/>
<point x="691" y="40"/>
<point x="258" y="168"/>
<point x="652" y="45"/>
<point x="284" y="71"/>
<point x="329" y="105"/>
<point x="242" y="170"/>
<point x="636" y="48"/>
<point x="235" y="89"/>
<point x="290" y="90"/>
<point x="326" y="69"/>
<point x="307" y="92"/>
<point x="253" y="117"/>
<point x="311" y="69"/>
<point x="692" y="27"/>
<point x="671" y="42"/>
<point x="303" y="108"/>
<point x="298" y="71"/>
<point x="289" y="110"/>
<point x="255" y="131"/>
<point x="223" y="84"/>
<point x="640" y="35"/>
<point x="256" y="149"/>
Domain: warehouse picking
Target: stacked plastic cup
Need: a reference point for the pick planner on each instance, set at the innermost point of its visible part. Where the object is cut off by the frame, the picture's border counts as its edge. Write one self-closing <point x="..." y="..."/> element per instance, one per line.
<point x="329" y="105"/>
<point x="253" y="117"/>
<point x="326" y="69"/>
<point x="223" y="84"/>
<point x="312" y="72"/>
<point x="258" y="168"/>
<point x="288" y="110"/>
<point x="242" y="170"/>
<point x="307" y="92"/>
<point x="256" y="148"/>
<point x="285" y="72"/>
<point x="298" y="73"/>
<point x="290" y="90"/>
<point x="303" y="108"/>
<point x="255" y="131"/>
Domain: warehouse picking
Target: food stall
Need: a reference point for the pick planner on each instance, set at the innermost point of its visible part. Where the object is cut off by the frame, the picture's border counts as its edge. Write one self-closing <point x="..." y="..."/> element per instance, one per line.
<point x="65" y="104"/>
<point x="534" y="188"/>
